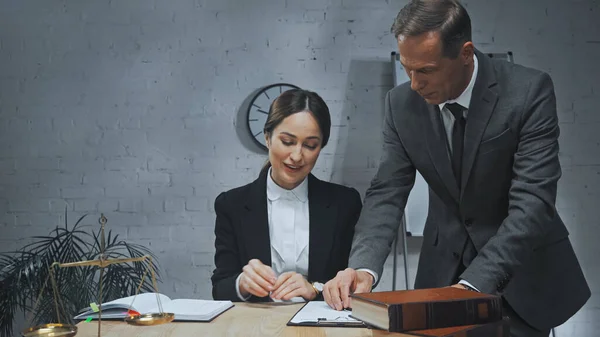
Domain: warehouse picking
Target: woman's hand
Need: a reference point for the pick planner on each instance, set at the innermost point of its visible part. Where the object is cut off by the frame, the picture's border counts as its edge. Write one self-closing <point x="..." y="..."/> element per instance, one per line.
<point x="292" y="284"/>
<point x="257" y="279"/>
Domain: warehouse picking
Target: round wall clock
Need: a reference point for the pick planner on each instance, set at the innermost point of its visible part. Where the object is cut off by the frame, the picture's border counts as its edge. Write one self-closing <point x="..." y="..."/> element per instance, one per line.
<point x="258" y="110"/>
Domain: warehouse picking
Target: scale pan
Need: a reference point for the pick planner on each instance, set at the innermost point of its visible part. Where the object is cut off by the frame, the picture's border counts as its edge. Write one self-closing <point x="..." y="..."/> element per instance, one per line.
<point x="150" y="319"/>
<point x="51" y="330"/>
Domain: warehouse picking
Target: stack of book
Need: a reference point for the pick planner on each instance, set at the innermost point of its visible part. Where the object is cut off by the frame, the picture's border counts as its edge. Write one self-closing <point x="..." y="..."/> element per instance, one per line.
<point x="438" y="312"/>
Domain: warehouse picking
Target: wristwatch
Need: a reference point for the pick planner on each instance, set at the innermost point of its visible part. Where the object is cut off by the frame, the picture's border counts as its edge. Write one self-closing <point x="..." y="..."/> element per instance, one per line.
<point x="318" y="287"/>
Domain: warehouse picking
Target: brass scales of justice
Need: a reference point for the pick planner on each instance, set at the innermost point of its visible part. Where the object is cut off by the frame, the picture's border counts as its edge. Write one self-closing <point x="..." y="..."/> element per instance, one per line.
<point x="68" y="330"/>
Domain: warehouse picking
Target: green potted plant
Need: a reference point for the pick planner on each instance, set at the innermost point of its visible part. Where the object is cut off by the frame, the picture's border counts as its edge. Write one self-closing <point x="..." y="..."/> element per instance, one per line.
<point x="24" y="285"/>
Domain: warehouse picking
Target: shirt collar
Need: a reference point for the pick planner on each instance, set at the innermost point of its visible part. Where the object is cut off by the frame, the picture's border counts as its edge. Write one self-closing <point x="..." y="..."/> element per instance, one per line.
<point x="465" y="98"/>
<point x="275" y="191"/>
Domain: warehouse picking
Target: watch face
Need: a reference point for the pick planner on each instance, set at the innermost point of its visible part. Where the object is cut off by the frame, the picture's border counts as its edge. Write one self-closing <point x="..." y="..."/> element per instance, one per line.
<point x="319" y="286"/>
<point x="259" y="110"/>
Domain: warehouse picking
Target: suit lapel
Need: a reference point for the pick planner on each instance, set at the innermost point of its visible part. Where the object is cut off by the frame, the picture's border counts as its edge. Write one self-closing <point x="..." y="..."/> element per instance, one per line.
<point x="483" y="101"/>
<point x="437" y="144"/>
<point x="322" y="224"/>
<point x="256" y="223"/>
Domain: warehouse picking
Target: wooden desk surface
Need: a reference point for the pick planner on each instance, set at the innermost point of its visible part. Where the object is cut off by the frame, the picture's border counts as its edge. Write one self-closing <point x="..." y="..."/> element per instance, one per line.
<point x="245" y="319"/>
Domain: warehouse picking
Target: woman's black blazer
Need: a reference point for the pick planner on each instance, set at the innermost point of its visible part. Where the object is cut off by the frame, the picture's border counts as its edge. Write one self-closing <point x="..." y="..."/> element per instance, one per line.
<point x="242" y="231"/>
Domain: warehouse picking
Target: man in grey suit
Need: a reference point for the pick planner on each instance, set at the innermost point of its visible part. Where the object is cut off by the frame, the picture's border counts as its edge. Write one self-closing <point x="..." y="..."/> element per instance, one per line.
<point x="483" y="133"/>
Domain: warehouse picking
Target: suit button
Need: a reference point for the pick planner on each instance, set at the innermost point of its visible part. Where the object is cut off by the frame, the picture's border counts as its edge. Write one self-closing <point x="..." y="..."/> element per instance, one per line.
<point x="456" y="255"/>
<point x="468" y="222"/>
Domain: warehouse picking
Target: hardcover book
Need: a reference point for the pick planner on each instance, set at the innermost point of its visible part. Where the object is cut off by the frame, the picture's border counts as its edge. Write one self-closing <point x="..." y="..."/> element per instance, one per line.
<point x="422" y="309"/>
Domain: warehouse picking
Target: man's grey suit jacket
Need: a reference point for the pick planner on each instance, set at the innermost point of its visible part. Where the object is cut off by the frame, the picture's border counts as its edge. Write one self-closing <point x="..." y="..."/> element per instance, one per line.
<point x="507" y="201"/>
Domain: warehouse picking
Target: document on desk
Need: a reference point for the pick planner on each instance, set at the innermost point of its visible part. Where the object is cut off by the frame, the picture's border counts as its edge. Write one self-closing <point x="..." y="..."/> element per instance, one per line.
<point x="318" y="313"/>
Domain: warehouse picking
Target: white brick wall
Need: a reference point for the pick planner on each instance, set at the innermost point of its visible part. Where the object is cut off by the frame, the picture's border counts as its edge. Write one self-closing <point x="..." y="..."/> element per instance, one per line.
<point x="128" y="108"/>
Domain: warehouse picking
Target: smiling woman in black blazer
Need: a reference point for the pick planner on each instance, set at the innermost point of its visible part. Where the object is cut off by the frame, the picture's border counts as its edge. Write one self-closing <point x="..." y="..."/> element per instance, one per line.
<point x="283" y="235"/>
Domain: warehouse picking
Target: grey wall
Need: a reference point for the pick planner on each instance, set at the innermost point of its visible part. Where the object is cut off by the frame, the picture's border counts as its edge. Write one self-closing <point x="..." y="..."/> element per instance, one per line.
<point x="128" y="108"/>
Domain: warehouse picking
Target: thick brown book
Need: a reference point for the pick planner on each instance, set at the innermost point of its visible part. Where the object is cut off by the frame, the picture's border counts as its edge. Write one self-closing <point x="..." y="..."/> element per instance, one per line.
<point x="421" y="309"/>
<point x="494" y="329"/>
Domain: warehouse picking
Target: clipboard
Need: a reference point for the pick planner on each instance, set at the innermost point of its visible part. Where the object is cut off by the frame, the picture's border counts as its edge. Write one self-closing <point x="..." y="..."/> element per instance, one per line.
<point x="333" y="318"/>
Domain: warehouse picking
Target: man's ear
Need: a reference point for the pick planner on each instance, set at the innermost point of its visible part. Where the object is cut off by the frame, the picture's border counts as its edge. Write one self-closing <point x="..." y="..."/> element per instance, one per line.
<point x="467" y="52"/>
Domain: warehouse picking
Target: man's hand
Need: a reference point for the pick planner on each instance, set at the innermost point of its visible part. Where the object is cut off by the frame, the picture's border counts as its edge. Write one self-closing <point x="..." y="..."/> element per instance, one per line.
<point x="337" y="291"/>
<point x="257" y="279"/>
<point x="291" y="284"/>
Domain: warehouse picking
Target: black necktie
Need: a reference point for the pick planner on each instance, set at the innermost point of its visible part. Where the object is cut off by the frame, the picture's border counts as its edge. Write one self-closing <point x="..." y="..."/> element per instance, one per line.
<point x="458" y="136"/>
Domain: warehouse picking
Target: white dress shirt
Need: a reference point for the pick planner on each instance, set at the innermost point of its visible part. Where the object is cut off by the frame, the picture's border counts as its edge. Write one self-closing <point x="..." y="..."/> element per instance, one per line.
<point x="448" y="119"/>
<point x="464" y="99"/>
<point x="288" y="229"/>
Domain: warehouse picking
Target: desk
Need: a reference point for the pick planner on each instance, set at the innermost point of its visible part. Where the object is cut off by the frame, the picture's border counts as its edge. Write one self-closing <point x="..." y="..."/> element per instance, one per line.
<point x="245" y="319"/>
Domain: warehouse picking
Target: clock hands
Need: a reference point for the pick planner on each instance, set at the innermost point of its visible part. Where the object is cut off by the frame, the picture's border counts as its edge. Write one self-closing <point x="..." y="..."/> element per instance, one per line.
<point x="259" y="109"/>
<point x="255" y="114"/>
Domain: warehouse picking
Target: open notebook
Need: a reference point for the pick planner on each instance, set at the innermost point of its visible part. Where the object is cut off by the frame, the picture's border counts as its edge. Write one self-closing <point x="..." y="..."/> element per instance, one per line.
<point x="184" y="309"/>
